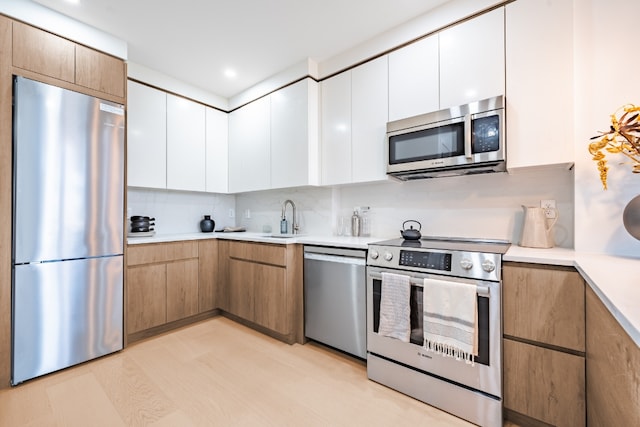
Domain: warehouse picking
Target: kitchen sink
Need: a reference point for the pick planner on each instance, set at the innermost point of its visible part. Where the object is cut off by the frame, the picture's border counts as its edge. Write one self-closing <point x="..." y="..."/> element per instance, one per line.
<point x="282" y="236"/>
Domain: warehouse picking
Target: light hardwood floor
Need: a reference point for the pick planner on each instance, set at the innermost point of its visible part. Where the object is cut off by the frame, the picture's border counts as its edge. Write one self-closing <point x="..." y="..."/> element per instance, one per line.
<point x="216" y="372"/>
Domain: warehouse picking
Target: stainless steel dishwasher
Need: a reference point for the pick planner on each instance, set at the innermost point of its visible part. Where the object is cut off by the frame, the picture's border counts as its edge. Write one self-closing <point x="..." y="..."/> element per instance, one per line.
<point x="335" y="298"/>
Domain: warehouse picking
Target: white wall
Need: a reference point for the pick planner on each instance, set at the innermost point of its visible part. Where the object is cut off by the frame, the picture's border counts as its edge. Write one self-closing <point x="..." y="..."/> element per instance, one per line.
<point x="606" y="78"/>
<point x="179" y="211"/>
<point x="484" y="206"/>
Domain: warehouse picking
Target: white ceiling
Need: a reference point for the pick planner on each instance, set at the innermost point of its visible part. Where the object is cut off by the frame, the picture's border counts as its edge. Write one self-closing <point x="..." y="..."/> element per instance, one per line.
<point x="195" y="41"/>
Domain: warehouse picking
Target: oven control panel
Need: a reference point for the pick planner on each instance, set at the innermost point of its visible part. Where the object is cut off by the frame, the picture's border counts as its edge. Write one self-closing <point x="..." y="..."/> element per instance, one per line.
<point x="431" y="260"/>
<point x="464" y="264"/>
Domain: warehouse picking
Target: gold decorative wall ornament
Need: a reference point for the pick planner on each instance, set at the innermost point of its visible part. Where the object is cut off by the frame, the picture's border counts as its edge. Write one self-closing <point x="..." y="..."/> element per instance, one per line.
<point x="623" y="137"/>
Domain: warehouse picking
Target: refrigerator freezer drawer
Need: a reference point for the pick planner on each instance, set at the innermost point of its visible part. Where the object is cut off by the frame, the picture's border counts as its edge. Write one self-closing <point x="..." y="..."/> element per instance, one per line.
<point x="65" y="313"/>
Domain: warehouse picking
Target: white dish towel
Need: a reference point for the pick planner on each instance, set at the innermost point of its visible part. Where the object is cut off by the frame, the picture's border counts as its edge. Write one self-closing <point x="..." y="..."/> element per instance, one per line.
<point x="450" y="319"/>
<point x="394" y="306"/>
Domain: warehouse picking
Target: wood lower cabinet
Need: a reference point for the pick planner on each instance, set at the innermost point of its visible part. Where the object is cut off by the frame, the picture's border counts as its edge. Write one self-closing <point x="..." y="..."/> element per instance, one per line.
<point x="544" y="345"/>
<point x="208" y="291"/>
<point x="182" y="289"/>
<point x="263" y="287"/>
<point x="544" y="304"/>
<point x="613" y="369"/>
<point x="543" y="384"/>
<point x="169" y="283"/>
<point x="146" y="297"/>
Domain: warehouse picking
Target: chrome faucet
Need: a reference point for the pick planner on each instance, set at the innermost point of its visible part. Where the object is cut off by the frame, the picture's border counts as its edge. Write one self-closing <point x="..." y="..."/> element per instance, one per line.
<point x="294" y="224"/>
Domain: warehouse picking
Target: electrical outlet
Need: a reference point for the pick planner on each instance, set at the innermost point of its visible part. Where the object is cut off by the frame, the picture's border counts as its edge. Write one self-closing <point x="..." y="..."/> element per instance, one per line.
<point x="232" y="213"/>
<point x="549" y="207"/>
<point x="247" y="214"/>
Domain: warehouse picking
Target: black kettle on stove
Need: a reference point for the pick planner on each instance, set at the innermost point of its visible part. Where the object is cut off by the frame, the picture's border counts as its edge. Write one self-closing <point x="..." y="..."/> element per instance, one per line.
<point x="411" y="233"/>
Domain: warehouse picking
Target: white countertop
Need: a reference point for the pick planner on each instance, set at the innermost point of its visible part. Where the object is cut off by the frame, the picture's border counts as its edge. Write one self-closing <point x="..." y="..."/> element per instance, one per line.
<point x="305" y="239"/>
<point x="616" y="280"/>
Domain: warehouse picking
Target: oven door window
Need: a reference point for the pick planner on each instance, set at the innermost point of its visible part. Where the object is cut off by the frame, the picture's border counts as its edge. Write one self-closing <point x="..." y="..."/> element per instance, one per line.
<point x="485" y="133"/>
<point x="416" y="317"/>
<point x="427" y="144"/>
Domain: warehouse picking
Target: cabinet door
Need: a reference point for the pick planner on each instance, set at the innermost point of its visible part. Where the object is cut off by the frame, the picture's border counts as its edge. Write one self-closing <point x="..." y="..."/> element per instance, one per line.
<point x="270" y="295"/>
<point x="44" y="53"/>
<point x="291" y="136"/>
<point x="242" y="279"/>
<point x="472" y="60"/>
<point x="249" y="147"/>
<point x="182" y="289"/>
<point x="539" y="87"/>
<point x="544" y="384"/>
<point x="146" y="297"/>
<point x="146" y="136"/>
<point x="414" y="81"/>
<point x="369" y="116"/>
<point x="208" y="275"/>
<point x="544" y="305"/>
<point x="98" y="71"/>
<point x="185" y="144"/>
<point x="613" y="369"/>
<point x="336" y="129"/>
<point x="217" y="151"/>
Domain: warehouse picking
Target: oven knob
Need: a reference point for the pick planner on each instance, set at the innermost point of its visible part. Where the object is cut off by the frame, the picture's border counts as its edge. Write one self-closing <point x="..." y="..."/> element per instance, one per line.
<point x="388" y="256"/>
<point x="466" y="263"/>
<point x="488" y="265"/>
<point x="374" y="254"/>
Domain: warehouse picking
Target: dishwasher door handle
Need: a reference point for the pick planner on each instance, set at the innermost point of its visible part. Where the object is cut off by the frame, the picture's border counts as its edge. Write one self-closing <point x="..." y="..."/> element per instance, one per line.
<point x="335" y="258"/>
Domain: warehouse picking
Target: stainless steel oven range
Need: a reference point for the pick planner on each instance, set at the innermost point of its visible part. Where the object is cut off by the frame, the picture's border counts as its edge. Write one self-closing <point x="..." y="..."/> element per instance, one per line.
<point x="470" y="391"/>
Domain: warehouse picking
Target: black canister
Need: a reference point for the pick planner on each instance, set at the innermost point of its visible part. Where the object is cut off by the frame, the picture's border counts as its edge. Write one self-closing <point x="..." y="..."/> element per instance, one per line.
<point x="207" y="224"/>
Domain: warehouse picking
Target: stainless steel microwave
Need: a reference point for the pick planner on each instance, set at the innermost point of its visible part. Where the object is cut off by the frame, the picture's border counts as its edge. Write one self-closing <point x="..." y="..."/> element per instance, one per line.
<point x="461" y="140"/>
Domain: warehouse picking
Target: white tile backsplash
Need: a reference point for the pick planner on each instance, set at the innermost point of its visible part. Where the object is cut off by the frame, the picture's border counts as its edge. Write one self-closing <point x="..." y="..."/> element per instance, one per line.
<point x="180" y="211"/>
<point x="486" y="206"/>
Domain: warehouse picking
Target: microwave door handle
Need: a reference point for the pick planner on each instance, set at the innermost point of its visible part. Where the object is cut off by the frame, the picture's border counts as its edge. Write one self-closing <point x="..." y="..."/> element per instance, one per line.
<point x="467" y="136"/>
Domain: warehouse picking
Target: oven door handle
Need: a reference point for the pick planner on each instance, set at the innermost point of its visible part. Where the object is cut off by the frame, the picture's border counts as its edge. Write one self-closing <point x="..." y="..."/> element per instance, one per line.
<point x="482" y="291"/>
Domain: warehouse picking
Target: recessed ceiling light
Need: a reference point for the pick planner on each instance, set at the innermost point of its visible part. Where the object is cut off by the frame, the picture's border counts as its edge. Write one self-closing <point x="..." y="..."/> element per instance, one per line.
<point x="230" y="73"/>
<point x="73" y="1"/>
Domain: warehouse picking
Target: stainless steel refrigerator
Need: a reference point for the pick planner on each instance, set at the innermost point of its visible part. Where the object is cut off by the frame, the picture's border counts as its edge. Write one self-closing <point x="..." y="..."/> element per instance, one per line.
<point x="68" y="219"/>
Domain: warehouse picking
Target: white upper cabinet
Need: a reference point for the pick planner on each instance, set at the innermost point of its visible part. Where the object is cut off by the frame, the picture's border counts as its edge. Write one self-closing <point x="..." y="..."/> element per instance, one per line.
<point x="249" y="147"/>
<point x="146" y="136"/>
<point x="185" y="144"/>
<point x="539" y="94"/>
<point x="414" y="86"/>
<point x="472" y="60"/>
<point x="294" y="135"/>
<point x="354" y="119"/>
<point x="369" y="117"/>
<point x="217" y="151"/>
<point x="336" y="129"/>
<point x="273" y="142"/>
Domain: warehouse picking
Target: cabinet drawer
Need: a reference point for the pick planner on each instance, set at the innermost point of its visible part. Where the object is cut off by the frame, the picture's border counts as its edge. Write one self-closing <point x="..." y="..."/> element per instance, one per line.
<point x="161" y="252"/>
<point x="44" y="53"/>
<point x="544" y="384"/>
<point x="267" y="254"/>
<point x="544" y="304"/>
